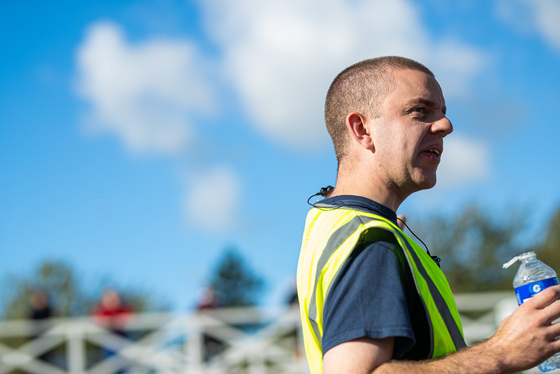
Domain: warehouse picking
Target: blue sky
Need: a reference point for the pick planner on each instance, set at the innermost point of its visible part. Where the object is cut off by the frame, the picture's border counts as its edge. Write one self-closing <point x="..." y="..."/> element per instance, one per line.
<point x="142" y="138"/>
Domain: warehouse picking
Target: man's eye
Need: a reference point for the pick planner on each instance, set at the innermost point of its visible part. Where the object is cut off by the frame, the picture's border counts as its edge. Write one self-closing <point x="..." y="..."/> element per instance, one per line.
<point x="420" y="110"/>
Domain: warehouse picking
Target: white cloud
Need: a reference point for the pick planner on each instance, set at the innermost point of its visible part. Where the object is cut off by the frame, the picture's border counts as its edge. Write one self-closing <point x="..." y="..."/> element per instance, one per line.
<point x="455" y="65"/>
<point x="213" y="199"/>
<point x="547" y="14"/>
<point x="539" y="15"/>
<point x="463" y="160"/>
<point x="142" y="93"/>
<point x="282" y="55"/>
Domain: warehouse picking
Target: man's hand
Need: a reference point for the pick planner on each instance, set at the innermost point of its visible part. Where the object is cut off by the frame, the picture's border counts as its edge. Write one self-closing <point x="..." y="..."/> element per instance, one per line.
<point x="528" y="337"/>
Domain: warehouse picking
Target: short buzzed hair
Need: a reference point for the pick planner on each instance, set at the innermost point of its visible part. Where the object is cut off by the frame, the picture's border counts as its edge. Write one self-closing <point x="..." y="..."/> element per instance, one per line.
<point x="359" y="88"/>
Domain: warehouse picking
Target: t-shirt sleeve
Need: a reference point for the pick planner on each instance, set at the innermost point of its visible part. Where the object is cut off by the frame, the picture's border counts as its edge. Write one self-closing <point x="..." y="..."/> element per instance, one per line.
<point x="367" y="299"/>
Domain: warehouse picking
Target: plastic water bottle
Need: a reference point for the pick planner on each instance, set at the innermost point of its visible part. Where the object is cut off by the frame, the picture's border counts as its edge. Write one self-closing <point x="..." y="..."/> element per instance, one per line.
<point x="532" y="277"/>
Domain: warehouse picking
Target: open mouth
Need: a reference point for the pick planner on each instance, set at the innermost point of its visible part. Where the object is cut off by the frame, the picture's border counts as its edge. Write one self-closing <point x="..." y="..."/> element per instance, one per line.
<point x="434" y="151"/>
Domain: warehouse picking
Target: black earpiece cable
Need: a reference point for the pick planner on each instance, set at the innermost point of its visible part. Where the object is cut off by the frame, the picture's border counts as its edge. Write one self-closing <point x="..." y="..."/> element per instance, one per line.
<point x="324" y="191"/>
<point x="436" y="259"/>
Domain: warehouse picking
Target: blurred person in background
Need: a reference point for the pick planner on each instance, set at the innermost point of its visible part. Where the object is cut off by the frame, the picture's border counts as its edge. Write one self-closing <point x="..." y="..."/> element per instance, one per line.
<point x="39" y="306"/>
<point x="113" y="314"/>
<point x="212" y="345"/>
<point x="208" y="300"/>
<point x="40" y="312"/>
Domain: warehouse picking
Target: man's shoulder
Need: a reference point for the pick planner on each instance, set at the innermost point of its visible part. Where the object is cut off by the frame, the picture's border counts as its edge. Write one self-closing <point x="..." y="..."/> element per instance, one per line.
<point x="358" y="204"/>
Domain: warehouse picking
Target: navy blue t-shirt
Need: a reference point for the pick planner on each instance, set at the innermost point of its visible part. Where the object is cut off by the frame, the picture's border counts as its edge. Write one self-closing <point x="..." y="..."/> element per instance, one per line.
<point x="374" y="294"/>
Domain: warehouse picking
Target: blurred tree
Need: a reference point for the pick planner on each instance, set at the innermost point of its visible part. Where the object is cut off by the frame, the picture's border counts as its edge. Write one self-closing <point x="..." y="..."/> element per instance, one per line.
<point x="234" y="282"/>
<point x="473" y="246"/>
<point x="69" y="295"/>
<point x="549" y="251"/>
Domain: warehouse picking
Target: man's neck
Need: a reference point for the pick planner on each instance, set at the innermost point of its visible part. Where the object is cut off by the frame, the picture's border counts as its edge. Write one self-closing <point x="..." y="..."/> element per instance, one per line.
<point x="352" y="182"/>
<point x="380" y="194"/>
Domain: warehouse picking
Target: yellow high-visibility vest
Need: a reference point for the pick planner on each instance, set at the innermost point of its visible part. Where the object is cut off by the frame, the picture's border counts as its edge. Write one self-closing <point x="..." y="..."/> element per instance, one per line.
<point x="331" y="234"/>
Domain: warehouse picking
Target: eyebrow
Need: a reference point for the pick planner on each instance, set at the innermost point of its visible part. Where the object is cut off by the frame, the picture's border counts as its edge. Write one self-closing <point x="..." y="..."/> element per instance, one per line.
<point x="428" y="103"/>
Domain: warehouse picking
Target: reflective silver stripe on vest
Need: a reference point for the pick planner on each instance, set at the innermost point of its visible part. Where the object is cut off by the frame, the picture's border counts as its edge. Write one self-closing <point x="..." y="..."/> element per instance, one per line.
<point x="441" y="305"/>
<point x="336" y="240"/>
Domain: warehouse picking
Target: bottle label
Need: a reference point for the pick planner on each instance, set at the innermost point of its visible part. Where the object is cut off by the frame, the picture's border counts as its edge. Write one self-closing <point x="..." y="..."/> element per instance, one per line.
<point x="525" y="292"/>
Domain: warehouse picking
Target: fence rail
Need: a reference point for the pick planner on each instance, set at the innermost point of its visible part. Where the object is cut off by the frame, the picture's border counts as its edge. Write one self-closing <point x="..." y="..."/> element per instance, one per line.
<point x="244" y="341"/>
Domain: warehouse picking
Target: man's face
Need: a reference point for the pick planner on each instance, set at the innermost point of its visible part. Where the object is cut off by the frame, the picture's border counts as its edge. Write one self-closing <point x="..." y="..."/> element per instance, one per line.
<point x="409" y="132"/>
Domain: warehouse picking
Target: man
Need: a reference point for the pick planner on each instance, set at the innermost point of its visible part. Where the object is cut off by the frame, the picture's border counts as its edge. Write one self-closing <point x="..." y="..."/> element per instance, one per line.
<point x="371" y="300"/>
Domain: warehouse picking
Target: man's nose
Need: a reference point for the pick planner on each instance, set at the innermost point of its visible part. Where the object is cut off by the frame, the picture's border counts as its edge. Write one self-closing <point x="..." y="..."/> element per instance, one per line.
<point x="442" y="126"/>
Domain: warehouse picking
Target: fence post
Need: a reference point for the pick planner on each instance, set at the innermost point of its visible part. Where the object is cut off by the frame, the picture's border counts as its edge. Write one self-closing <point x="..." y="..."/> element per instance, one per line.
<point x="76" y="347"/>
<point x="194" y="345"/>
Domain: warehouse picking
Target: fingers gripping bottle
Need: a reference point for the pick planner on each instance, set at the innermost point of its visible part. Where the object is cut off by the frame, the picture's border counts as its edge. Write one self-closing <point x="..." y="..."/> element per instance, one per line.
<point x="532" y="277"/>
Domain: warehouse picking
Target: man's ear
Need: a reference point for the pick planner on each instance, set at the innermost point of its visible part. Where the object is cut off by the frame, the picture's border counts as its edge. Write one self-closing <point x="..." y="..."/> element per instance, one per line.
<point x="356" y="124"/>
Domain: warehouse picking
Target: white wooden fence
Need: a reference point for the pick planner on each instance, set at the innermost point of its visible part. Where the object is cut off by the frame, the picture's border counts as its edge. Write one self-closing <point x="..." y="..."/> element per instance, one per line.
<point x="251" y="341"/>
<point x="248" y="341"/>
